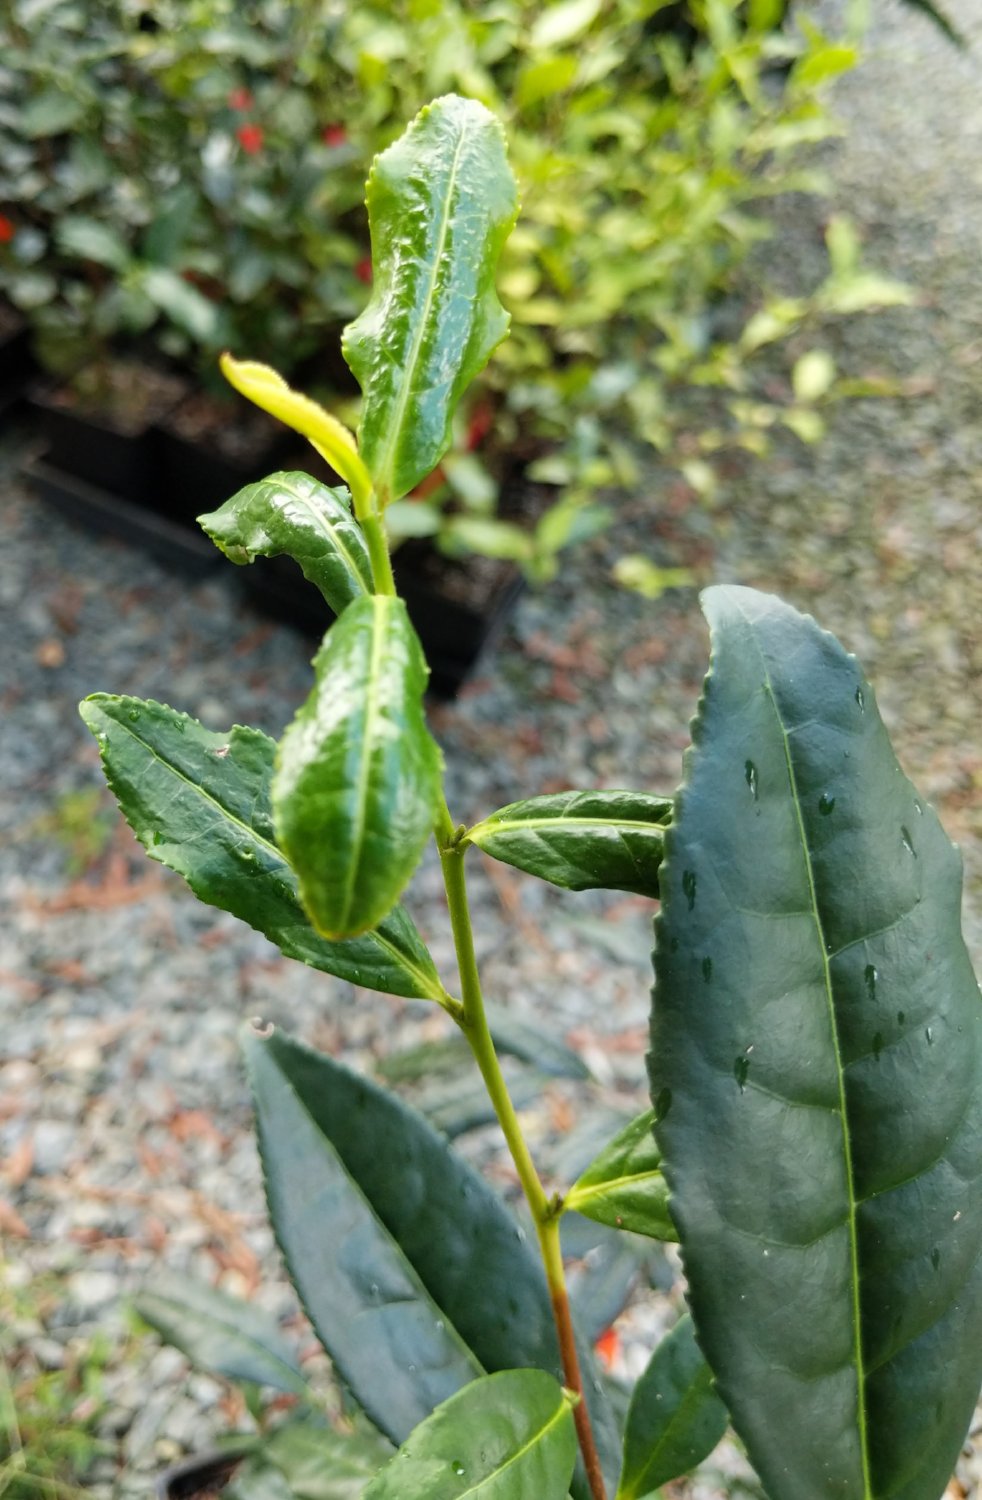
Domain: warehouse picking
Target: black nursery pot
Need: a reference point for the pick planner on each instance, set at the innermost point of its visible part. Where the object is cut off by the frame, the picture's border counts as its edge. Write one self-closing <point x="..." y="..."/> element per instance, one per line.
<point x="198" y="1475"/>
<point x="17" y="364"/>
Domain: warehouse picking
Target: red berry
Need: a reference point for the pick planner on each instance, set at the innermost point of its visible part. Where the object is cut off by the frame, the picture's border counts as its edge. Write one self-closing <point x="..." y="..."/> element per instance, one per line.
<point x="363" y="270"/>
<point x="334" y="135"/>
<point x="240" y="99"/>
<point x="250" y="138"/>
<point x="7" y="230"/>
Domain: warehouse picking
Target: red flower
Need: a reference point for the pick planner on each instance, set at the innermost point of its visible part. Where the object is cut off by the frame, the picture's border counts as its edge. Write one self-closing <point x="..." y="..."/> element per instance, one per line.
<point x="363" y="270"/>
<point x="240" y="99"/>
<point x="250" y="138"/>
<point x="608" y="1347"/>
<point x="7" y="230"/>
<point x="334" y="135"/>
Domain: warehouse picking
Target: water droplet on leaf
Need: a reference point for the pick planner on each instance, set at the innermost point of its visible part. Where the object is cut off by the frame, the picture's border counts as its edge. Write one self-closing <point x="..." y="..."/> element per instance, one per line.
<point x="929" y="1034"/>
<point x="458" y="1468"/>
<point x="826" y="803"/>
<point x="905" y="839"/>
<point x="741" y="1067"/>
<point x="871" y="976"/>
<point x="707" y="969"/>
<point x="936" y="1258"/>
<point x="860" y="699"/>
<point x="689" y="887"/>
<point x="877" y="1045"/>
<point x="750" y="772"/>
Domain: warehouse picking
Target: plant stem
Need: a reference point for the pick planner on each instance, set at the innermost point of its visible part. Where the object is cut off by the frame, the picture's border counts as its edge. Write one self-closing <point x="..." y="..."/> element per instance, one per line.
<point x="378" y="552"/>
<point x="473" y="1023"/>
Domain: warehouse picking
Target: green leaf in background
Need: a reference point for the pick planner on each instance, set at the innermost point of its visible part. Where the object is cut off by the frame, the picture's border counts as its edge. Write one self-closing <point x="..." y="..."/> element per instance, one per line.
<point x="50" y="113"/>
<point x="441" y="203"/>
<point x="624" y="1186"/>
<point x="93" y="241"/>
<point x="393" y="1290"/>
<point x="294" y="514"/>
<point x="519" y="1038"/>
<point x="581" y="840"/>
<point x="199" y="803"/>
<point x="817" y="1073"/>
<point x="309" y="1462"/>
<point x="507" y="1437"/>
<point x="190" y="310"/>
<point x="358" y="777"/>
<point x="221" y="1334"/>
<point x="675" y="1418"/>
<point x="558" y="24"/>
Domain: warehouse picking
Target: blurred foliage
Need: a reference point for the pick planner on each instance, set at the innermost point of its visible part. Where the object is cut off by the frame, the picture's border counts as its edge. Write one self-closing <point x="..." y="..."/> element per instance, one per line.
<point x="191" y="174"/>
<point x="48" y="1416"/>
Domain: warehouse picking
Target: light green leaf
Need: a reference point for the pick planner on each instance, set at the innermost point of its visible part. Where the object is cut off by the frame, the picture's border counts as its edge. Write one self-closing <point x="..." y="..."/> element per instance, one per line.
<point x="200" y="804"/>
<point x="91" y="240"/>
<point x="487" y="535"/>
<point x="543" y="77"/>
<point x="624" y="1187"/>
<point x="186" y="307"/>
<point x="50" y="113"/>
<point x="294" y="514"/>
<point x="441" y="203"/>
<point x="220" y="1334"/>
<point x="581" y="840"/>
<point x="555" y="25"/>
<point x="816" y="1068"/>
<point x="358" y="778"/>
<point x="812" y="375"/>
<point x="506" y="1437"/>
<point x="675" y="1418"/>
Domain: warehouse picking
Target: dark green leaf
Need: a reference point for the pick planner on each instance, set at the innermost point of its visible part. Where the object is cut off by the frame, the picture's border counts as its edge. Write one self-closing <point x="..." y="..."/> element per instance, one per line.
<point x="441" y="203"/>
<point x="817" y="1073"/>
<point x="50" y="113"/>
<point x="507" y="1437"/>
<point x="581" y="840"/>
<point x="294" y="514"/>
<point x="200" y="804"/>
<point x="358" y="777"/>
<point x="404" y="1213"/>
<point x="624" y="1187"/>
<point x="221" y="1334"/>
<point x="675" y="1418"/>
<point x="310" y="1462"/>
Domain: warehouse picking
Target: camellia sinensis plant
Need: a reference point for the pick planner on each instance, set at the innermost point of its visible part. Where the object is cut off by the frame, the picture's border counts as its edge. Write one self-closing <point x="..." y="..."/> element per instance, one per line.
<point x="815" y="1141"/>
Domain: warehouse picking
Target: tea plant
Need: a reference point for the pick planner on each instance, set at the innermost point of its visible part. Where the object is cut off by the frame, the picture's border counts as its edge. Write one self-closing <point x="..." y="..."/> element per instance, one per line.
<point x="815" y="1142"/>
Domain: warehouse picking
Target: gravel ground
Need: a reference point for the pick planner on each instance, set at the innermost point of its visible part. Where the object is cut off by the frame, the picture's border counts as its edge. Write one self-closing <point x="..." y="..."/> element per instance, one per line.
<point x="124" y="1133"/>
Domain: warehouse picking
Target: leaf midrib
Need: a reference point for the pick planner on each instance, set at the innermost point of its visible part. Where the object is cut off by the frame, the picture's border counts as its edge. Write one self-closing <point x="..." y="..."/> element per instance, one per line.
<point x="489" y="829"/>
<point x="369" y="747"/>
<point x="331" y="532"/>
<point x="603" y="1189"/>
<point x="839" y="1068"/>
<point x="384" y="478"/>
<point x="536" y="1437"/>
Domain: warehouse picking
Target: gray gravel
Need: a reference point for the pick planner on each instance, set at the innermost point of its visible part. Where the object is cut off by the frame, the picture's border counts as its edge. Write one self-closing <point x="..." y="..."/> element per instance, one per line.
<point x="124" y="1132"/>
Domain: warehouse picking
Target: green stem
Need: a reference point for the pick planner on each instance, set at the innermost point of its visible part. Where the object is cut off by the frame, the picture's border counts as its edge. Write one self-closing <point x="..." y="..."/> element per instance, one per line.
<point x="378" y="552"/>
<point x="473" y="1023"/>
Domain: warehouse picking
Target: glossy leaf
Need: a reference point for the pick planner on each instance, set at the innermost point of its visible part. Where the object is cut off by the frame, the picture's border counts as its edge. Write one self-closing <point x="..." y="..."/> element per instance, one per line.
<point x="441" y="203"/>
<point x="414" y="1230"/>
<point x="581" y="840"/>
<point x="220" y="1334"/>
<point x="624" y="1186"/>
<point x="268" y="390"/>
<point x="309" y="1462"/>
<point x="817" y="1073"/>
<point x="294" y="514"/>
<point x="675" y="1418"/>
<point x="506" y="1437"/>
<point x="358" y="776"/>
<point x="199" y="803"/>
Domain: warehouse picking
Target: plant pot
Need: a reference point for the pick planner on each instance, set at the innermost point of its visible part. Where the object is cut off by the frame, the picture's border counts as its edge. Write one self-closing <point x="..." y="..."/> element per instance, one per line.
<point x="207" y="448"/>
<point x="173" y="545"/>
<point x="201" y="1475"/>
<point x="101" y="436"/>
<point x="18" y="367"/>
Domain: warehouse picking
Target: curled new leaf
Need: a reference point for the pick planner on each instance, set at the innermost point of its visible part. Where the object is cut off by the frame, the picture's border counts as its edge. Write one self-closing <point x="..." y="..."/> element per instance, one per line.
<point x="199" y="802"/>
<point x="441" y="203"/>
<point x="293" y="514"/>
<point x="581" y="840"/>
<point x="268" y="390"/>
<point x="358" y="778"/>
